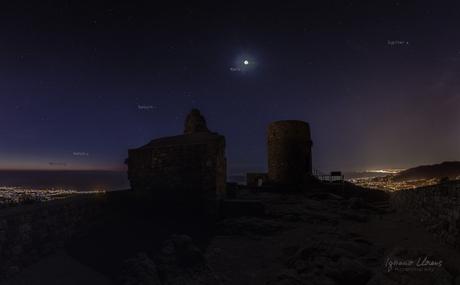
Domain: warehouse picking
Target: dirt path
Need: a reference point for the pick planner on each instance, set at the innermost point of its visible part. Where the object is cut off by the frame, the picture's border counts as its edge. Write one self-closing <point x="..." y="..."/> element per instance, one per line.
<point x="59" y="269"/>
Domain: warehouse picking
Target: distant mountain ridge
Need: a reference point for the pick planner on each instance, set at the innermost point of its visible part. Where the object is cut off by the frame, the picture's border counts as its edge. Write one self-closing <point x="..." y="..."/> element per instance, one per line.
<point x="449" y="169"/>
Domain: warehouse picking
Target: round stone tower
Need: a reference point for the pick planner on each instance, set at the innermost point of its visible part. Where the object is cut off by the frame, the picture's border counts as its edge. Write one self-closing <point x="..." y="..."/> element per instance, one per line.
<point x="289" y="152"/>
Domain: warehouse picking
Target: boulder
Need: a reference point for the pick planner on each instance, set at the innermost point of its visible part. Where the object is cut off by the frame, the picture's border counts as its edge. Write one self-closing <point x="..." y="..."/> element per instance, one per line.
<point x="140" y="270"/>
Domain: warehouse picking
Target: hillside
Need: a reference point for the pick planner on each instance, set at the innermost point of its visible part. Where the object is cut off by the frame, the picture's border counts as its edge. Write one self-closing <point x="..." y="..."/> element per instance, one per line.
<point x="449" y="169"/>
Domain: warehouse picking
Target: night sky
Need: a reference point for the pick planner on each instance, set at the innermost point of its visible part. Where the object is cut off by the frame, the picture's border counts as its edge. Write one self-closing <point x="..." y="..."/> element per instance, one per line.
<point x="81" y="82"/>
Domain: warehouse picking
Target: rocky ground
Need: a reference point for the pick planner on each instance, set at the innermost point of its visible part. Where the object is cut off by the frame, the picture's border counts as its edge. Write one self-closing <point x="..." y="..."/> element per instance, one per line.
<point x="326" y="240"/>
<point x="320" y="238"/>
<point x="316" y="239"/>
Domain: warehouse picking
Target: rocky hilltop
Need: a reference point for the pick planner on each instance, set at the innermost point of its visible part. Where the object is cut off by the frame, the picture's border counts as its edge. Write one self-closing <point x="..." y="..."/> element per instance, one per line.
<point x="330" y="235"/>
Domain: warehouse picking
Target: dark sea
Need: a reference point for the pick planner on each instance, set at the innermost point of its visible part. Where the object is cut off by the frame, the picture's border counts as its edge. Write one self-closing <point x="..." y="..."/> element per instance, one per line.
<point x="68" y="180"/>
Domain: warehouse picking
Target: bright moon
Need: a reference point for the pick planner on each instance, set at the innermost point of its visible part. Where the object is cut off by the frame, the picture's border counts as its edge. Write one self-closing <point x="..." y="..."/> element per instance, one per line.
<point x="246" y="62"/>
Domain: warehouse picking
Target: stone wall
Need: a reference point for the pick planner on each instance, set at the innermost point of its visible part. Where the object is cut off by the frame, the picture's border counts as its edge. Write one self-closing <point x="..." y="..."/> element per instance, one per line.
<point x="185" y="170"/>
<point x="28" y="232"/>
<point x="180" y="167"/>
<point x="436" y="207"/>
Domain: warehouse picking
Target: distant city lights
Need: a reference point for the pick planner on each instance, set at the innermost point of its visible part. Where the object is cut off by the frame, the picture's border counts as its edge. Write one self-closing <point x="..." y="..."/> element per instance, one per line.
<point x="19" y="195"/>
<point x="385" y="171"/>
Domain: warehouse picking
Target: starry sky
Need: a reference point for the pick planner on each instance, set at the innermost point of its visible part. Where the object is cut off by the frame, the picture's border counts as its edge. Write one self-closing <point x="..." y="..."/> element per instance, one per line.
<point x="82" y="82"/>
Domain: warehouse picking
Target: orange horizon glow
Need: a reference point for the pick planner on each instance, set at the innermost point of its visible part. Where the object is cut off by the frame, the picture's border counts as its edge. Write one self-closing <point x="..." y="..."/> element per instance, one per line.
<point x="62" y="169"/>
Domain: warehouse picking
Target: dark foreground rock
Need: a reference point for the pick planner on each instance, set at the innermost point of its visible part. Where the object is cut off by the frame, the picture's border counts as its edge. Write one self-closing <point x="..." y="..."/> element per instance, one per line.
<point x="180" y="262"/>
<point x="140" y="270"/>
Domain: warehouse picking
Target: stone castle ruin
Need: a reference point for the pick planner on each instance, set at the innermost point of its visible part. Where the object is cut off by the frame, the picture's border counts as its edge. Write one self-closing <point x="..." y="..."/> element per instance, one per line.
<point x="190" y="167"/>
